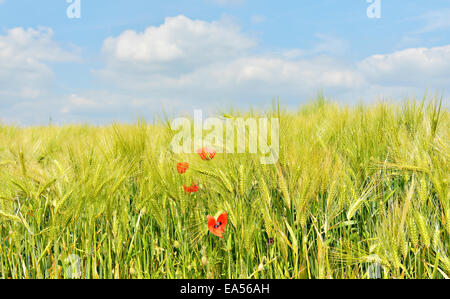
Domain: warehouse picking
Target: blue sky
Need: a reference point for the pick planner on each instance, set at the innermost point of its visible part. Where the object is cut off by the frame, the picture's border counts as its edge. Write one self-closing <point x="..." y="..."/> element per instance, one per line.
<point x="125" y="59"/>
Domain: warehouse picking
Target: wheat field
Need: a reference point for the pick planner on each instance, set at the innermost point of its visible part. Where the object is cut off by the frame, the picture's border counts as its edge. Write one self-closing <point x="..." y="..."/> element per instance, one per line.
<point x="358" y="192"/>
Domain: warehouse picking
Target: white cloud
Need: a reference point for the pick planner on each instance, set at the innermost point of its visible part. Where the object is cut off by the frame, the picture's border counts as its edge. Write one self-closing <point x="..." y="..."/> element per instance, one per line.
<point x="329" y="45"/>
<point x="203" y="64"/>
<point x="180" y="42"/>
<point x="258" y="19"/>
<point x="204" y="61"/>
<point x="410" y="67"/>
<point x="228" y="2"/>
<point x="76" y="102"/>
<point x="106" y="106"/>
<point x="432" y="26"/>
<point x="185" y="64"/>
<point x="24" y="54"/>
<point x="435" y="20"/>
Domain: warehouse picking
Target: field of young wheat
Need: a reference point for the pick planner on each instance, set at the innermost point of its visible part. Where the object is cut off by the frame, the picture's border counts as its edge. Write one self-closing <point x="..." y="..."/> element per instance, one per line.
<point x="357" y="192"/>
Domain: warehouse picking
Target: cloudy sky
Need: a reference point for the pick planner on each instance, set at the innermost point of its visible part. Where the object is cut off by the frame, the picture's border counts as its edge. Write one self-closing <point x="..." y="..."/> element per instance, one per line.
<point x="125" y="59"/>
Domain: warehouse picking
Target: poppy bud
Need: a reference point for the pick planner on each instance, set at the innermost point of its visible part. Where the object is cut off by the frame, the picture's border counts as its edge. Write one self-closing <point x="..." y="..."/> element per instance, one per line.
<point x="204" y="261"/>
<point x="260" y="267"/>
<point x="176" y="244"/>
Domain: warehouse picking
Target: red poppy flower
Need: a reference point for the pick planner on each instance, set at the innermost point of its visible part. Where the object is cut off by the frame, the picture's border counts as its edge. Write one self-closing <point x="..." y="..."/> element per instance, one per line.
<point x="206" y="153"/>
<point x="190" y="189"/>
<point x="217" y="228"/>
<point x="182" y="167"/>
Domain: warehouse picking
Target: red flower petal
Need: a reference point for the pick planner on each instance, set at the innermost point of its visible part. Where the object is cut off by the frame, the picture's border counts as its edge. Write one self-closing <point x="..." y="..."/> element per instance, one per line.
<point x="190" y="189"/>
<point x="217" y="228"/>
<point x="206" y="153"/>
<point x="182" y="167"/>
